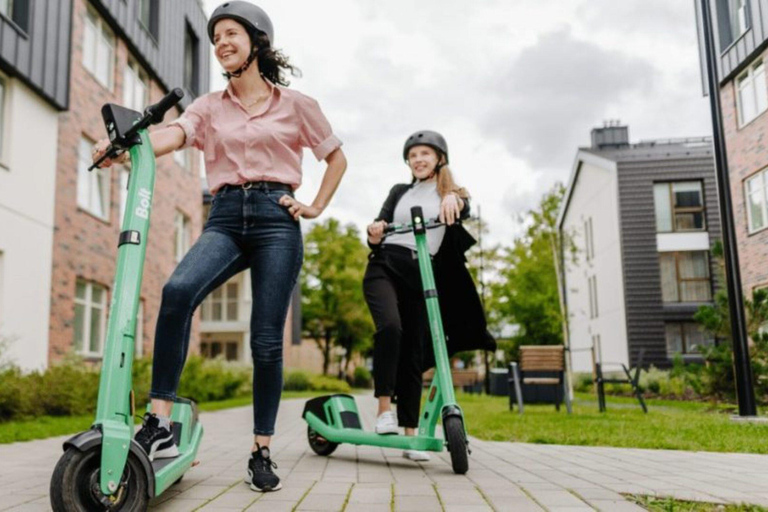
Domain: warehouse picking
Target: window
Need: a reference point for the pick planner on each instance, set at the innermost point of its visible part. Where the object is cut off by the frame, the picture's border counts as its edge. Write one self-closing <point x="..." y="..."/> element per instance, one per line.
<point x="685" y="276"/>
<point x="213" y="349"/>
<point x="98" y="49"/>
<point x="685" y="338"/>
<point x="751" y="93"/>
<point x="16" y="11"/>
<point x="733" y="20"/>
<point x="592" y="284"/>
<point x="2" y="114"/>
<point x="90" y="318"/>
<point x="148" y="16"/>
<point x="679" y="206"/>
<point x="222" y="304"/>
<point x="135" y="87"/>
<point x="182" y="236"/>
<point x="755" y="193"/>
<point x="93" y="186"/>
<point x="191" y="58"/>
<point x="589" y="242"/>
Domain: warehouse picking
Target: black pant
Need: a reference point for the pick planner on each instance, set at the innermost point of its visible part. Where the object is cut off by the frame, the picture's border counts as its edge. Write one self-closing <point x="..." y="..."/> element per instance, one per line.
<point x="393" y="291"/>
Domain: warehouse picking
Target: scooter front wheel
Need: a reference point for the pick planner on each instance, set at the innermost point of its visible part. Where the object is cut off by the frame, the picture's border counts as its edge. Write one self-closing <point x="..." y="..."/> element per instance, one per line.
<point x="75" y="484"/>
<point x="457" y="444"/>
<point x="319" y="444"/>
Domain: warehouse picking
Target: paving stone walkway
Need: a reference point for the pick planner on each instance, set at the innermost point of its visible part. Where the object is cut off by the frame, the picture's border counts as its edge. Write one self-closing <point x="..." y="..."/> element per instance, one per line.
<point x="503" y="476"/>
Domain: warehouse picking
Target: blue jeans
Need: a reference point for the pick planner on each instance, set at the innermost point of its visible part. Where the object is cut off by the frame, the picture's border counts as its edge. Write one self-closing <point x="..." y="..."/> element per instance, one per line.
<point x="245" y="229"/>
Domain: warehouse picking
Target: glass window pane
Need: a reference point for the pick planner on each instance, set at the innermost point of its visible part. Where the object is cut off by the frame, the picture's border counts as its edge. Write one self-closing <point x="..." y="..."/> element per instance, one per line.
<point x="83" y="176"/>
<point x="79" y="327"/>
<point x="687" y="194"/>
<point x="674" y="339"/>
<point x="217" y="311"/>
<point x="668" y="277"/>
<point x="95" y="342"/>
<point x="747" y="100"/>
<point x="761" y="92"/>
<point x="693" y="265"/>
<point x="97" y="295"/>
<point x="231" y="351"/>
<point x="689" y="221"/>
<point x="756" y="208"/>
<point x="662" y="205"/>
<point x="89" y="45"/>
<point x="695" y="337"/>
<point x="695" y="291"/>
<point x="215" y="349"/>
<point x="80" y="290"/>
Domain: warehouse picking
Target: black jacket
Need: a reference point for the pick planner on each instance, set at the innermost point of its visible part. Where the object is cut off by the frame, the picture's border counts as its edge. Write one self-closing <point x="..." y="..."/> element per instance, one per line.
<point x="461" y="310"/>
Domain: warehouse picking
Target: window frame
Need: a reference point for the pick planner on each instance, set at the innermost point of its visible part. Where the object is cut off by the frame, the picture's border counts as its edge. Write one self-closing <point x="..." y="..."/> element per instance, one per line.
<point x="762" y="175"/>
<point x="151" y="25"/>
<point x="102" y="34"/>
<point x="191" y="68"/>
<point x="687" y="352"/>
<point x="103" y="178"/>
<point x="182" y="235"/>
<point x="138" y="76"/>
<point x="88" y="306"/>
<point x="750" y="78"/>
<point x="674" y="211"/>
<point x="680" y="281"/>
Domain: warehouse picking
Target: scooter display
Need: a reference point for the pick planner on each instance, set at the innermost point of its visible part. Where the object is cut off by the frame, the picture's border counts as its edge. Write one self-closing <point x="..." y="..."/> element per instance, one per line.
<point x="104" y="468"/>
<point x="334" y="419"/>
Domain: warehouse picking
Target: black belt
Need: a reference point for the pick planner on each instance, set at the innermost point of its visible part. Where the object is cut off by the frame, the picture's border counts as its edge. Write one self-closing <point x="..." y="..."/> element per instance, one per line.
<point x="260" y="185"/>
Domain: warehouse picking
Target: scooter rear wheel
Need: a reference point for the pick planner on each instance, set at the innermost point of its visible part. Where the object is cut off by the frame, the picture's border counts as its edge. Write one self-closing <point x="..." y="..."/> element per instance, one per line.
<point x="319" y="444"/>
<point x="75" y="484"/>
<point x="457" y="444"/>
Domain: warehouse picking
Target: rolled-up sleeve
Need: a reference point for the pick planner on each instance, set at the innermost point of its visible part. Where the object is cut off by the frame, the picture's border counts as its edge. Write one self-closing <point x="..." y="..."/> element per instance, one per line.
<point x="193" y="122"/>
<point x="315" y="131"/>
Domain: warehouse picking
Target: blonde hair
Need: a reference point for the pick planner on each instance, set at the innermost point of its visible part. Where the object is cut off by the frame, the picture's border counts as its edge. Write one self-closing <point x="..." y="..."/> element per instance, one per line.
<point x="446" y="184"/>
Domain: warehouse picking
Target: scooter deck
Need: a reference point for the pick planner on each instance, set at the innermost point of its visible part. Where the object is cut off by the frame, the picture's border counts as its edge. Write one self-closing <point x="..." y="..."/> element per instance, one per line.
<point x="168" y="471"/>
<point x="361" y="437"/>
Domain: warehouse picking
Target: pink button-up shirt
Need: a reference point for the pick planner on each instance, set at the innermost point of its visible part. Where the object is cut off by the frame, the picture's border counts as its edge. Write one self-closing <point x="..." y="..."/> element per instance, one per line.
<point x="265" y="145"/>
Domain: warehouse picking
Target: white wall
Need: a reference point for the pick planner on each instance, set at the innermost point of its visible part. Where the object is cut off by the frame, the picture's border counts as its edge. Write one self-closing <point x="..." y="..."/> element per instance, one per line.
<point x="595" y="195"/>
<point x="27" y="181"/>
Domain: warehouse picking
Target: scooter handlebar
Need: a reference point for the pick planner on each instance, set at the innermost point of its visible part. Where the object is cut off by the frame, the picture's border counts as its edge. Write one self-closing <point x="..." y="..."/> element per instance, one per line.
<point x="394" y="228"/>
<point x="157" y="111"/>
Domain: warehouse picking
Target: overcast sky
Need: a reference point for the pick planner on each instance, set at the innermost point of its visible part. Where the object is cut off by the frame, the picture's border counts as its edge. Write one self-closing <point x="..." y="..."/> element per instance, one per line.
<point x="514" y="85"/>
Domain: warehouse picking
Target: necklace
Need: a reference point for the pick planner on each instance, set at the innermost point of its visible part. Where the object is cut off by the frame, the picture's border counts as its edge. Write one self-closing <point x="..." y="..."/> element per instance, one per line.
<point x="258" y="99"/>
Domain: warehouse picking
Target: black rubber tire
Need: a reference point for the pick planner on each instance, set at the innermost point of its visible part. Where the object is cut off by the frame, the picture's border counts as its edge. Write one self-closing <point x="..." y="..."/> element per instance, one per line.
<point x="320" y="445"/>
<point x="457" y="444"/>
<point x="76" y="473"/>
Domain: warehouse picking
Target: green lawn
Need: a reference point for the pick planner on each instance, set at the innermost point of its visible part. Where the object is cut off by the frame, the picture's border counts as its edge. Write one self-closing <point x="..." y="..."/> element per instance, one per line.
<point x="671" y="505"/>
<point x="50" y="426"/>
<point x="668" y="425"/>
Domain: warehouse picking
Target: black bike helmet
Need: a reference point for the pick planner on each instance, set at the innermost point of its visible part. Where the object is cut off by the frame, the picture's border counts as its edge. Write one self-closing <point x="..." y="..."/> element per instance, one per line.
<point x="252" y="17"/>
<point x="426" y="138"/>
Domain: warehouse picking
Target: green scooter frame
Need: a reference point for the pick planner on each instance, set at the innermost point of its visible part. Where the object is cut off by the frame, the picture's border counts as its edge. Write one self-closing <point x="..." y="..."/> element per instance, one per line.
<point x="103" y="468"/>
<point x="334" y="419"/>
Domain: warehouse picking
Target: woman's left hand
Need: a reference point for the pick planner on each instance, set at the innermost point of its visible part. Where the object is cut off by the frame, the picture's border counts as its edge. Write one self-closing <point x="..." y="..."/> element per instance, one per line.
<point x="450" y="209"/>
<point x="297" y="209"/>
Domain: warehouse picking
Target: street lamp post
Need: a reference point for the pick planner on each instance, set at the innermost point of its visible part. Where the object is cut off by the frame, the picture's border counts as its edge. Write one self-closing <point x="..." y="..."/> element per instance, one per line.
<point x="742" y="369"/>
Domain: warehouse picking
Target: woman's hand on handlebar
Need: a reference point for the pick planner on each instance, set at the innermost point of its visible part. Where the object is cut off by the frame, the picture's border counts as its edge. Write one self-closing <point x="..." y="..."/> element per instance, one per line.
<point x="98" y="151"/>
<point x="376" y="231"/>
<point x="450" y="209"/>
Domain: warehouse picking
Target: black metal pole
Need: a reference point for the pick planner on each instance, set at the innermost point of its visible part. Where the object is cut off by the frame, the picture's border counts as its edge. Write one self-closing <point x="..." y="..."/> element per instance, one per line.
<point x="742" y="369"/>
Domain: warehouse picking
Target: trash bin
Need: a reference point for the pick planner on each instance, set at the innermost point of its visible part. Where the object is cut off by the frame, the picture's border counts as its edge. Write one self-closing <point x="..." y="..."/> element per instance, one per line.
<point x="499" y="378"/>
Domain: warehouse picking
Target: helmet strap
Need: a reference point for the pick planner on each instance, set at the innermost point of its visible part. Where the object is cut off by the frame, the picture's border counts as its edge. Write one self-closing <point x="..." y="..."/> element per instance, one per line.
<point x="239" y="71"/>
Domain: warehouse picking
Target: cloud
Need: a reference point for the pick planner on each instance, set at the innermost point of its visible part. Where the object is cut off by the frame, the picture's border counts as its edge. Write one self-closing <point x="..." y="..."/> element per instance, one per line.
<point x="548" y="99"/>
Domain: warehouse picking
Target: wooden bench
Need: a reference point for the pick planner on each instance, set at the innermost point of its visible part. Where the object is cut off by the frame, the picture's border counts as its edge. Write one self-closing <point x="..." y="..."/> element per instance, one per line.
<point x="539" y="358"/>
<point x="461" y="378"/>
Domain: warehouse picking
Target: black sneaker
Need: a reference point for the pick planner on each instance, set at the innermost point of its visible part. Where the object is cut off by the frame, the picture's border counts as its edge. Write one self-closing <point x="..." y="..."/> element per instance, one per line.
<point x="156" y="441"/>
<point x="260" y="475"/>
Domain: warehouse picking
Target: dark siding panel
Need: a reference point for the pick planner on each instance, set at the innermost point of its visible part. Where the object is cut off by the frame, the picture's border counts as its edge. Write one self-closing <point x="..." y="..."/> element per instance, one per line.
<point x="645" y="311"/>
<point x="65" y="51"/>
<point x="8" y="44"/>
<point x="51" y="43"/>
<point x="38" y="42"/>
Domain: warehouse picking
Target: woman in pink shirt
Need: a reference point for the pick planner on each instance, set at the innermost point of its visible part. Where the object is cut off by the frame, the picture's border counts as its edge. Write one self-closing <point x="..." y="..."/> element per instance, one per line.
<point x="252" y="135"/>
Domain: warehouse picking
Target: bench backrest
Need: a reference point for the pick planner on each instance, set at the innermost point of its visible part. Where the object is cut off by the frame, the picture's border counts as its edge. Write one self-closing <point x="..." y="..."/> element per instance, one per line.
<point x="544" y="358"/>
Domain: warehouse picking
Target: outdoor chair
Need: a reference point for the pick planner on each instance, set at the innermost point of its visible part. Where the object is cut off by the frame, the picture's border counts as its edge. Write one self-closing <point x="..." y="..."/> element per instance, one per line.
<point x="632" y="380"/>
<point x="539" y="358"/>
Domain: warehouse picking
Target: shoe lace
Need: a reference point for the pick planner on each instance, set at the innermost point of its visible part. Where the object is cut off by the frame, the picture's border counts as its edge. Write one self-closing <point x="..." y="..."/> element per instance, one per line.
<point x="267" y="464"/>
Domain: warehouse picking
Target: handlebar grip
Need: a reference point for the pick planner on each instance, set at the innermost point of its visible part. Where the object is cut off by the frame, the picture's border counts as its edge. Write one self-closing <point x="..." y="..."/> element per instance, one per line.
<point x="157" y="111"/>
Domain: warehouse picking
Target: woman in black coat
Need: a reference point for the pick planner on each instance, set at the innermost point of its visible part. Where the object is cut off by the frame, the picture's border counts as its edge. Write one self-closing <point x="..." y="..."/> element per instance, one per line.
<point x="393" y="291"/>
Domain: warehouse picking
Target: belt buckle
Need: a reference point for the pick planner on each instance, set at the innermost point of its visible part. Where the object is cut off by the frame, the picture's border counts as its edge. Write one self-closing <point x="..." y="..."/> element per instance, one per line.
<point x="247" y="185"/>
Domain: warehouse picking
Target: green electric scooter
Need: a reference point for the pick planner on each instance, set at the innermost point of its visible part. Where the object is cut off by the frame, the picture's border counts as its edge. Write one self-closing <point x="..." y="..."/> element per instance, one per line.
<point x="103" y="468"/>
<point x="333" y="419"/>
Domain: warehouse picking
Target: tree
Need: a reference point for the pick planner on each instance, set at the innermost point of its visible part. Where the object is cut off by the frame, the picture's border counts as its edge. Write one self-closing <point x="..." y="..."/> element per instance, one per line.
<point x="529" y="294"/>
<point x="333" y="306"/>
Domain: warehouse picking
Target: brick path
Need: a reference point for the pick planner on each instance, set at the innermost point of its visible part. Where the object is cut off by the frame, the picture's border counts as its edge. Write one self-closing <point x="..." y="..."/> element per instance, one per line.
<point x="502" y="476"/>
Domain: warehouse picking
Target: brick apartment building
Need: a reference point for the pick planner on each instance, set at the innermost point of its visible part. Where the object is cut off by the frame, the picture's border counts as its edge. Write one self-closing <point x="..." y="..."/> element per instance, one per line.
<point x="741" y="38"/>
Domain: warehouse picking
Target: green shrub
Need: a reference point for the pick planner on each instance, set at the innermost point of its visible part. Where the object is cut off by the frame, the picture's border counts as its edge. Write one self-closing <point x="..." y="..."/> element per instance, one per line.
<point x="297" y="380"/>
<point x="362" y="377"/>
<point x="209" y="380"/>
<point x="11" y="400"/>
<point x="325" y="383"/>
<point x="582" y="382"/>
